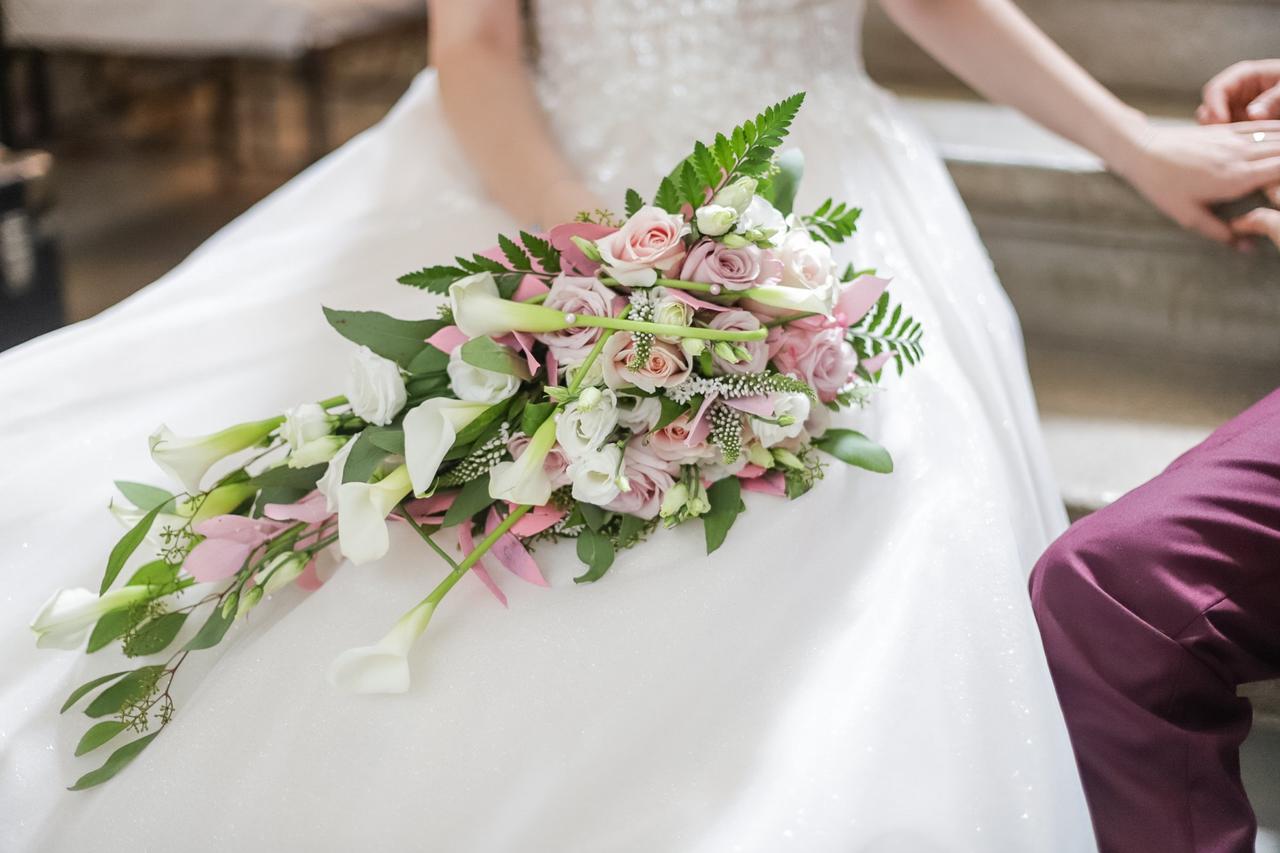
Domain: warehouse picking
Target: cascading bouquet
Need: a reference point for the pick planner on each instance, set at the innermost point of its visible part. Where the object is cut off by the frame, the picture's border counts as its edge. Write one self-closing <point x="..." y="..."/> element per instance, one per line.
<point x="595" y="382"/>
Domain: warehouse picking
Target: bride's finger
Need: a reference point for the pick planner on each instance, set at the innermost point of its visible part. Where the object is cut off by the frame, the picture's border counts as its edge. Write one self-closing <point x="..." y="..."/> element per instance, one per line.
<point x="1250" y="128"/>
<point x="1267" y="146"/>
<point x="1262" y="222"/>
<point x="1273" y="194"/>
<point x="1266" y="105"/>
<point x="1264" y="173"/>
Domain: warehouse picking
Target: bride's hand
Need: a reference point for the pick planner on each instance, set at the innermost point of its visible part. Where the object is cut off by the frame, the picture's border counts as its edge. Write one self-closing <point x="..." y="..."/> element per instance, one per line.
<point x="1184" y="170"/>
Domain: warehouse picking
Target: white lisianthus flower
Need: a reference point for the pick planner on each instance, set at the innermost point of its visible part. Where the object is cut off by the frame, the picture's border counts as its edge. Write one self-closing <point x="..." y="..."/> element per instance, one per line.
<point x="328" y="484"/>
<point x="526" y="481"/>
<point x="715" y="219"/>
<point x="585" y="424"/>
<point x="315" y="452"/>
<point x="66" y="618"/>
<point x="479" y="311"/>
<point x="305" y="423"/>
<point x="737" y="195"/>
<point x="429" y="431"/>
<point x="362" y="515"/>
<point x="188" y="458"/>
<point x="384" y="666"/>
<point x="477" y="384"/>
<point x="762" y="216"/>
<point x="790" y="411"/>
<point x="639" y="414"/>
<point x="597" y="475"/>
<point x="375" y="387"/>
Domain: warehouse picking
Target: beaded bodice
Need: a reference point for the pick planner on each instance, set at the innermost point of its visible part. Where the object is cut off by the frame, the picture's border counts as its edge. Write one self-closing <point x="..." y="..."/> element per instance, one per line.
<point x="629" y="84"/>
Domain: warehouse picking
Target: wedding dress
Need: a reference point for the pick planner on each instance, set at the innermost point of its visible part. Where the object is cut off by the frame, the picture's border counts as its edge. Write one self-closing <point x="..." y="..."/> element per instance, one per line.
<point x="857" y="670"/>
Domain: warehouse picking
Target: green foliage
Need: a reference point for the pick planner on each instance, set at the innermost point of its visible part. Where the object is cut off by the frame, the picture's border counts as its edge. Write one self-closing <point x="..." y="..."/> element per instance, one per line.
<point x="117" y="762"/>
<point x="390" y="337"/>
<point x="144" y="497"/>
<point x="429" y="361"/>
<point x="85" y="689"/>
<point x="670" y="411"/>
<point x="746" y="152"/>
<point x="388" y="438"/>
<point x="888" y="329"/>
<point x="98" y="734"/>
<point x="473" y="498"/>
<point x="212" y="631"/>
<point x="530" y="255"/>
<point x="128" y="543"/>
<point x="832" y="223"/>
<point x="856" y="449"/>
<point x="782" y="187"/>
<point x="364" y="459"/>
<point x="634" y="203"/>
<point x="488" y="354"/>
<point x="535" y="414"/>
<point x="596" y="551"/>
<point x="154" y="635"/>
<point x="725" y="497"/>
<point x="135" y="685"/>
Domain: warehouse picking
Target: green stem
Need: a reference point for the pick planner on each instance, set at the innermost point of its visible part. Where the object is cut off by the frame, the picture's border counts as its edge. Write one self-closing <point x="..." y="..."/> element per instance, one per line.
<point x="667" y="329"/>
<point x="460" y="569"/>
<point x="782" y="321"/>
<point x="585" y="367"/>
<point x="333" y="402"/>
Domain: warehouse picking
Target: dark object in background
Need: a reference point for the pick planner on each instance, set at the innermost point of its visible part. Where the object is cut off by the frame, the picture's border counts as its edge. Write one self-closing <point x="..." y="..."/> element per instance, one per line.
<point x="30" y="278"/>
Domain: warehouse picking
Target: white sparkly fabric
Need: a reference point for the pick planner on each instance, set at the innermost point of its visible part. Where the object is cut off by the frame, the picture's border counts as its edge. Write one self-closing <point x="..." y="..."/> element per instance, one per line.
<point x="855" y="671"/>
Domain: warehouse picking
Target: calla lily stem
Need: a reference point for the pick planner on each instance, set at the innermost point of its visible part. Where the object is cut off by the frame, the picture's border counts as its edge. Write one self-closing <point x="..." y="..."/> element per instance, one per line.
<point x="667" y="329"/>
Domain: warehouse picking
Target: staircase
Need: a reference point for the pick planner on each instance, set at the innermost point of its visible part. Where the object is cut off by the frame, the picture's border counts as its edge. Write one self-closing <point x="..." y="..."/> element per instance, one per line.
<point x="1141" y="338"/>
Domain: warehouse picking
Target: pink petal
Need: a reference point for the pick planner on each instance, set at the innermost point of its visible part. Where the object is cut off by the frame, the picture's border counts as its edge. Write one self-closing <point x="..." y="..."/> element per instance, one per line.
<point x="756" y="405"/>
<point x="571" y="257"/>
<point x="700" y="429"/>
<point x="689" y="299"/>
<point x="310" y="578"/>
<point x="468" y="545"/>
<point x="875" y="362"/>
<point x="530" y="286"/>
<point x="536" y="520"/>
<point x="448" y="339"/>
<point x="525" y="340"/>
<point x="772" y="483"/>
<point x="311" y="509"/>
<point x="750" y="471"/>
<point x="858" y="296"/>
<point x="216" y="559"/>
<point x="553" y="368"/>
<point x="238" y="528"/>
<point x="512" y="555"/>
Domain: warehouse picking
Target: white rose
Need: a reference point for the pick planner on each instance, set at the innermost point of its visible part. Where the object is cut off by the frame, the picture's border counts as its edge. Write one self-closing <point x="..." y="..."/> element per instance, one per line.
<point x="597" y="475"/>
<point x="328" y="484"/>
<point x="305" y="423"/>
<point x="477" y="385"/>
<point x="639" y="414"/>
<point x="715" y="219"/>
<point x="586" y="423"/>
<point x="375" y="388"/>
<point x="807" y="264"/>
<point x="762" y="216"/>
<point x="670" y="311"/>
<point x="790" y="411"/>
<point x="737" y="195"/>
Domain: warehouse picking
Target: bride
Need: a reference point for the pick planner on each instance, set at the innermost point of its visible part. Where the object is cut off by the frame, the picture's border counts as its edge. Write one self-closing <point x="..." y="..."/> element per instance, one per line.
<point x="864" y="674"/>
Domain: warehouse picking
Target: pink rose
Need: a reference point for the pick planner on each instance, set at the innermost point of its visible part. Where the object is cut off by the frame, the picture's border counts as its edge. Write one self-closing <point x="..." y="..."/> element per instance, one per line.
<point x="556" y="464"/>
<point x="572" y="260"/>
<point x="649" y="478"/>
<point x="741" y="321"/>
<point x="666" y="367"/>
<point x="734" y="269"/>
<point x="576" y="295"/>
<point x="651" y="241"/>
<point x="669" y="443"/>
<point x="820" y="357"/>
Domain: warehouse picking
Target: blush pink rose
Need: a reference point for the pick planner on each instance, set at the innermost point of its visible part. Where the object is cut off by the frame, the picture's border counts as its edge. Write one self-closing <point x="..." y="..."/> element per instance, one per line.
<point x="649" y="477"/>
<point x="820" y="357"/>
<point x="666" y="367"/>
<point x="741" y="321"/>
<point x="650" y="242"/>
<point x="734" y="269"/>
<point x="577" y="295"/>
<point x="669" y="443"/>
<point x="556" y="464"/>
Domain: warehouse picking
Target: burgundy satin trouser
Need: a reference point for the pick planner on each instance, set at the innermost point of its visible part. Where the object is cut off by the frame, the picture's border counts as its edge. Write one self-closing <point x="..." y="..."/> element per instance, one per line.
<point x="1153" y="611"/>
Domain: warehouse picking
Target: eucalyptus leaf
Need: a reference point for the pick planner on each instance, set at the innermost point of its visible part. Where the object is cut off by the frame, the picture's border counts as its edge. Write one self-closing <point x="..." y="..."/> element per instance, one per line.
<point x="399" y="340"/>
<point x="856" y="449"/>
<point x="155" y="635"/>
<point x="133" y="686"/>
<point x="212" y="631"/>
<point x="596" y="551"/>
<point x="293" y="478"/>
<point x="124" y="549"/>
<point x="364" y="459"/>
<point x="534" y="415"/>
<point x="473" y="498"/>
<point x="142" y="496"/>
<point x="155" y="573"/>
<point x="390" y="439"/>
<point x="84" y="689"/>
<point x="98" y="734"/>
<point x="488" y="354"/>
<point x="725" y="497"/>
<point x="112" y="626"/>
<point x="115" y="763"/>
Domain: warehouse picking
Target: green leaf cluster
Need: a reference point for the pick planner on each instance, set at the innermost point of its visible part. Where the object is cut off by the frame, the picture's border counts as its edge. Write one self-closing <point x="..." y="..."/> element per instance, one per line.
<point x="831" y="222"/>
<point x="888" y="328"/>
<point x="530" y="255"/>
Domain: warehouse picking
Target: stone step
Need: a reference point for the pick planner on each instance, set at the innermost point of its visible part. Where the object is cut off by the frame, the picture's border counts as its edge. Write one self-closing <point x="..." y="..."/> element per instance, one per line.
<point x="1149" y="51"/>
<point x="1090" y="265"/>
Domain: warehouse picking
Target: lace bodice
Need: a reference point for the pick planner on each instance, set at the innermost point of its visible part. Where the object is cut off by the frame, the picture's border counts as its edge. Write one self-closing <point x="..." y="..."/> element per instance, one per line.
<point x="630" y="83"/>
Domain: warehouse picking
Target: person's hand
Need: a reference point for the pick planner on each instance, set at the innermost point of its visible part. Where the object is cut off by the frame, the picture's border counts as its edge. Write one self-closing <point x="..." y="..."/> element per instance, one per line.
<point x="1247" y="91"/>
<point x="1184" y="170"/>
<point x="1260" y="222"/>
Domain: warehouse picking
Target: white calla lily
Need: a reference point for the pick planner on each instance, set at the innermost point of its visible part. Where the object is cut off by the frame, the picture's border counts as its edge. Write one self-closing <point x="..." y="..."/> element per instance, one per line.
<point x="478" y="310"/>
<point x="328" y="484"/>
<point x="797" y="299"/>
<point x="188" y="458"/>
<point x="384" y="666"/>
<point x="66" y="618"/>
<point x="525" y="481"/>
<point x="362" y="515"/>
<point x="429" y="431"/>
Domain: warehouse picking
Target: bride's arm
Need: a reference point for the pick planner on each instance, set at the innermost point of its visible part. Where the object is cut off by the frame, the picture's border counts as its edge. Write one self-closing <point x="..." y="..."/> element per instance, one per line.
<point x="478" y="50"/>
<point x="994" y="48"/>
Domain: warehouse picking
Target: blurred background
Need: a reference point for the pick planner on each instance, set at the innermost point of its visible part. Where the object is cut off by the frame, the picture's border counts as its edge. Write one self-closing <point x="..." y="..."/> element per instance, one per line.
<point x="134" y="129"/>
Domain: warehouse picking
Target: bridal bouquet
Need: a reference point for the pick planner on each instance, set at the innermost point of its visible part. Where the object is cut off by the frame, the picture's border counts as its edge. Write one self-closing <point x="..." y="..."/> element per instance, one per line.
<point x="597" y="382"/>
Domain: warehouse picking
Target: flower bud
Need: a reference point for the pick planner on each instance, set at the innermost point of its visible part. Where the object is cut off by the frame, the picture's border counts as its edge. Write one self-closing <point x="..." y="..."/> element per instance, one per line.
<point x="735" y="241"/>
<point x="693" y="347"/>
<point x="715" y="219"/>
<point x="674" y="501"/>
<point x="725" y="351"/>
<point x="787" y="458"/>
<point x="587" y="248"/>
<point x="758" y="454"/>
<point x="736" y="195"/>
<point x="249" y="601"/>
